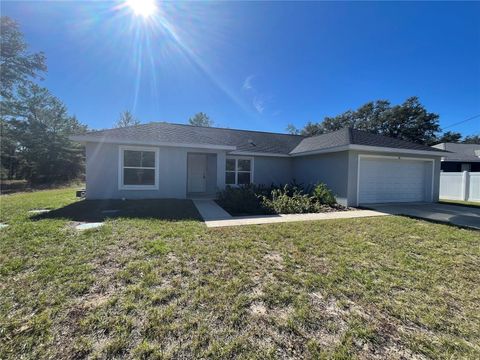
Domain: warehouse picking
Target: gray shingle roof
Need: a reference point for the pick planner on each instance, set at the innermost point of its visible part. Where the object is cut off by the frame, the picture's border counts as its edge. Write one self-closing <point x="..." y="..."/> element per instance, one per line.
<point x="460" y="152"/>
<point x="156" y="132"/>
<point x="349" y="136"/>
<point x="246" y="140"/>
<point x="243" y="140"/>
<point x="324" y="141"/>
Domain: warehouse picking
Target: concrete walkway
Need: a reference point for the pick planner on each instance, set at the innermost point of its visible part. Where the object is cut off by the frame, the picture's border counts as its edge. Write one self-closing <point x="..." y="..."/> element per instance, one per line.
<point x="210" y="210"/>
<point x="215" y="216"/>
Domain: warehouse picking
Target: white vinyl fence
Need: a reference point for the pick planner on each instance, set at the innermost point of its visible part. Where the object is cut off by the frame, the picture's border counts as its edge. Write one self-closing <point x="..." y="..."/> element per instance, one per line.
<point x="460" y="186"/>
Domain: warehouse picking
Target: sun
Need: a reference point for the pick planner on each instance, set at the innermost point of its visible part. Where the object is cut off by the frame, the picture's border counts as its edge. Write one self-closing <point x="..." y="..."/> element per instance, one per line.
<point x="143" y="8"/>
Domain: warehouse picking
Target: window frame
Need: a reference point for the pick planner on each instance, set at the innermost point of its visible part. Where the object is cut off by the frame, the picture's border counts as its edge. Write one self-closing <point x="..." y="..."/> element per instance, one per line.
<point x="236" y="158"/>
<point x="121" y="167"/>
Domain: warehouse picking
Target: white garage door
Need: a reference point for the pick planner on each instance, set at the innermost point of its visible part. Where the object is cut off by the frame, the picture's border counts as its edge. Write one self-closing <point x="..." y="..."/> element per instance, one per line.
<point x="383" y="180"/>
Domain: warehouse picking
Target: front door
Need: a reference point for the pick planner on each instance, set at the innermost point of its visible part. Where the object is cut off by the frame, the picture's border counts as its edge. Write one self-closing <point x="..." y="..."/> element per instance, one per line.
<point x="197" y="173"/>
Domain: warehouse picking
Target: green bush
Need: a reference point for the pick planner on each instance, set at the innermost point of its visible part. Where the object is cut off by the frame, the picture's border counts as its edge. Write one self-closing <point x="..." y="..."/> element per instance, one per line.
<point x="290" y="199"/>
<point x="323" y="195"/>
<point x="243" y="200"/>
<point x="294" y="200"/>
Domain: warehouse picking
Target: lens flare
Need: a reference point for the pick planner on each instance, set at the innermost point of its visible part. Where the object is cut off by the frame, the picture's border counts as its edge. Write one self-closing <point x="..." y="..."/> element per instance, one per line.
<point x="143" y="8"/>
<point x="170" y="35"/>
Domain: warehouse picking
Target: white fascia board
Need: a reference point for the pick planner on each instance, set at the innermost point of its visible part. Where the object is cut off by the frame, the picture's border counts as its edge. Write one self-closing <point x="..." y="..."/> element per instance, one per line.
<point x="370" y="149"/>
<point x="395" y="150"/>
<point x="253" y="153"/>
<point x="85" y="139"/>
<point x="461" y="161"/>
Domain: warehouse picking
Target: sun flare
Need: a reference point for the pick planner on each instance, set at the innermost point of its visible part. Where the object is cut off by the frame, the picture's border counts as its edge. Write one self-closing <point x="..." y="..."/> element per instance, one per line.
<point x="144" y="8"/>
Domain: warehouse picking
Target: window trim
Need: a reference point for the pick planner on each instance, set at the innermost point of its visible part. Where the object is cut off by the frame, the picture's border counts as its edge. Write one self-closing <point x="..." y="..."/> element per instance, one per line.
<point x="236" y="158"/>
<point x="121" y="151"/>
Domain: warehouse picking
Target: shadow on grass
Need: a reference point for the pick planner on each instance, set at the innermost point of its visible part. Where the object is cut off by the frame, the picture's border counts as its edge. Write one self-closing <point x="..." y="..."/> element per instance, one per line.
<point x="452" y="222"/>
<point x="448" y="217"/>
<point x="99" y="210"/>
<point x="465" y="204"/>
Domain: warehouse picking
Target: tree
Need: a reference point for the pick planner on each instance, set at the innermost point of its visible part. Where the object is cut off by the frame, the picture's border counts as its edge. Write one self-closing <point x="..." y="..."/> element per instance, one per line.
<point x="17" y="66"/>
<point x="200" y="119"/>
<point x="412" y="122"/>
<point x="408" y="121"/>
<point x="472" y="139"/>
<point x="126" y="119"/>
<point x="41" y="150"/>
<point x="35" y="125"/>
<point x="449" y="137"/>
<point x="292" y="130"/>
<point x="8" y="148"/>
<point x="312" y="129"/>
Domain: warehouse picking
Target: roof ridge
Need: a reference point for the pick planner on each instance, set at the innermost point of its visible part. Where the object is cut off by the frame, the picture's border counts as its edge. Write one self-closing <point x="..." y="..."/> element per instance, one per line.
<point x="326" y="133"/>
<point x="195" y="126"/>
<point x="119" y="128"/>
<point x="223" y="128"/>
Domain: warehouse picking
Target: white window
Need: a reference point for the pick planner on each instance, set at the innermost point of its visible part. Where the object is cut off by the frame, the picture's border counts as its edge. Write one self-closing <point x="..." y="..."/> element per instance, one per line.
<point x="238" y="171"/>
<point x="138" y="168"/>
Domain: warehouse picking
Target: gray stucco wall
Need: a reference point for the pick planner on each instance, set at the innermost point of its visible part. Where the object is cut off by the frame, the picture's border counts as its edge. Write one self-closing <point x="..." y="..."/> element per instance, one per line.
<point x="102" y="172"/>
<point x="331" y="169"/>
<point x="269" y="169"/>
<point x="338" y="171"/>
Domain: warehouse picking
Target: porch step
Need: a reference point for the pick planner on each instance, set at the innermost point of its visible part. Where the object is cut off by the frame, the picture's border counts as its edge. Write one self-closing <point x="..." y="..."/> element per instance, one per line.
<point x="210" y="210"/>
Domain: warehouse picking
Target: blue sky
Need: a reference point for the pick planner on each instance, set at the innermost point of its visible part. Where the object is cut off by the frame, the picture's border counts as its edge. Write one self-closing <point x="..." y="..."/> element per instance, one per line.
<point x="256" y="65"/>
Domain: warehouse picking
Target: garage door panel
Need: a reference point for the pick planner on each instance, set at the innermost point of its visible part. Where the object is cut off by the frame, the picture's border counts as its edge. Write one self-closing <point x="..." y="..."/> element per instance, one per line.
<point x="392" y="180"/>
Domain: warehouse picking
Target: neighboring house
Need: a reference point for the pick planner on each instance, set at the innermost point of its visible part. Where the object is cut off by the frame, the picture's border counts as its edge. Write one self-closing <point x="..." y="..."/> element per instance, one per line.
<point x="163" y="160"/>
<point x="462" y="157"/>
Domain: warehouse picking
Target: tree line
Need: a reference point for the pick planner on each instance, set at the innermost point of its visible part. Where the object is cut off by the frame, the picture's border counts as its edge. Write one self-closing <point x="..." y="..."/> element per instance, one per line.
<point x="408" y="121"/>
<point x="35" y="125"/>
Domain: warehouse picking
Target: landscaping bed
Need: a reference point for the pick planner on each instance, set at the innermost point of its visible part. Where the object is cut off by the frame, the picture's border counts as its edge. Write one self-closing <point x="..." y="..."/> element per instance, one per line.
<point x="288" y="199"/>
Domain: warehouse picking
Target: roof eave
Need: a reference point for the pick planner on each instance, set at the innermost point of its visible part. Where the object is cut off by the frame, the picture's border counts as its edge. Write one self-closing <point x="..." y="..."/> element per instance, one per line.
<point x="256" y="153"/>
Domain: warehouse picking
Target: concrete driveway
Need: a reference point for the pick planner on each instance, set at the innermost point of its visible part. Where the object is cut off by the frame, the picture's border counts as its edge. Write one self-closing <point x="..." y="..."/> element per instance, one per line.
<point x="453" y="214"/>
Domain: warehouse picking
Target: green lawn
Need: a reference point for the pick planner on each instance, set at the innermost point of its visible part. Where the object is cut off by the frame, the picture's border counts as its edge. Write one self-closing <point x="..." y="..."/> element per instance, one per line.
<point x="386" y="287"/>
<point x="459" y="202"/>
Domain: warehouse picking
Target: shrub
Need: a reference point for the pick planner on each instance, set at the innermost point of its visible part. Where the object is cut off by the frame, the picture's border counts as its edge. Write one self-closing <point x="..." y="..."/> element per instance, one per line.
<point x="323" y="195"/>
<point x="288" y="201"/>
<point x="292" y="198"/>
<point x="242" y="200"/>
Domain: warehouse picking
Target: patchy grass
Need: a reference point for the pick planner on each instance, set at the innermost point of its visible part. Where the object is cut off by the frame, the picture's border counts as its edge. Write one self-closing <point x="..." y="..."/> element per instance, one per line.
<point x="17" y="186"/>
<point x="459" y="202"/>
<point x="389" y="287"/>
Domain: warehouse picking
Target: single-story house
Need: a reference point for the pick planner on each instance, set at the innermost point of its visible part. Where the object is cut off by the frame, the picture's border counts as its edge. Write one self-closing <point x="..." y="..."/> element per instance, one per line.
<point x="164" y="160"/>
<point x="460" y="157"/>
